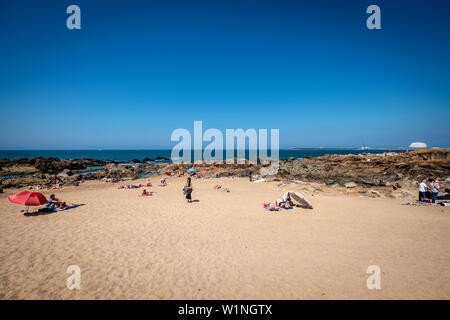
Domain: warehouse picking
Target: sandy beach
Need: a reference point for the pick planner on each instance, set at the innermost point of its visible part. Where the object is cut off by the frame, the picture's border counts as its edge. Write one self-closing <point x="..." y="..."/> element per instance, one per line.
<point x="225" y="246"/>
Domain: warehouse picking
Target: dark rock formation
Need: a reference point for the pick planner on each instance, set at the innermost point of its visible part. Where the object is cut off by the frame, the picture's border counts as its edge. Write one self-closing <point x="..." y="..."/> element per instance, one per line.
<point x="370" y="170"/>
<point x="389" y="170"/>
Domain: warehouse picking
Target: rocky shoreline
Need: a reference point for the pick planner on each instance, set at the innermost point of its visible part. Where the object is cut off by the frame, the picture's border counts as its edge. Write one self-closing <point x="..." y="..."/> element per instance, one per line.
<point x="384" y="174"/>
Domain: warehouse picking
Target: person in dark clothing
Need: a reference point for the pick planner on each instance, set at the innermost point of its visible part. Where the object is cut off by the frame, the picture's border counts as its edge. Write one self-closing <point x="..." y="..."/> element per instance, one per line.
<point x="188" y="188"/>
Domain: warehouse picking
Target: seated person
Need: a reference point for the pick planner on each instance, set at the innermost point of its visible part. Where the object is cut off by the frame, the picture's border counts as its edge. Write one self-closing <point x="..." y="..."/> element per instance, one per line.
<point x="287" y="199"/>
<point x="284" y="204"/>
<point x="53" y="202"/>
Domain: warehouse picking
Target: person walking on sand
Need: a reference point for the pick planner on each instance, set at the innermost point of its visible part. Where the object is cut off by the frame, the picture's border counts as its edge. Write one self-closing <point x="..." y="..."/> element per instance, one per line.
<point x="434" y="191"/>
<point x="422" y="190"/>
<point x="188" y="188"/>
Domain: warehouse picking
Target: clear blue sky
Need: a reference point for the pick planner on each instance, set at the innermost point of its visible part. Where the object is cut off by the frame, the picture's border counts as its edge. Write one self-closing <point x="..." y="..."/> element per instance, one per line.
<point x="137" y="70"/>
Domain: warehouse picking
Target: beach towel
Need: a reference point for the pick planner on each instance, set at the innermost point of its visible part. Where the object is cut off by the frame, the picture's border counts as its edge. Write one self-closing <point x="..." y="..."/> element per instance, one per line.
<point x="415" y="204"/>
<point x="420" y="204"/>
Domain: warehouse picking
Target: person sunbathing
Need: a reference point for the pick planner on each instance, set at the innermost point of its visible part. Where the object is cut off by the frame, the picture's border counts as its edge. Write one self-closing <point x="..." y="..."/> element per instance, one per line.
<point x="220" y="188"/>
<point x="271" y="207"/>
<point x="146" y="193"/>
<point x="65" y="206"/>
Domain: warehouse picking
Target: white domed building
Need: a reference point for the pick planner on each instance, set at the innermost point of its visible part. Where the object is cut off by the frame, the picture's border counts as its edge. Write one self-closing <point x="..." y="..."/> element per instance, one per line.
<point x="418" y="145"/>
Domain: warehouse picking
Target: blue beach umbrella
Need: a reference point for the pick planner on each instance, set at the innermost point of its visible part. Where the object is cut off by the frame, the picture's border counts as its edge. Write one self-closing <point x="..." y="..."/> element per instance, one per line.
<point x="191" y="170"/>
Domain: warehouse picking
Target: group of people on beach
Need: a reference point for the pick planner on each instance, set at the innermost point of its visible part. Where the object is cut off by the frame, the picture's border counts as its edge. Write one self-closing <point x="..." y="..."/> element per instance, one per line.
<point x="187" y="189"/>
<point x="135" y="186"/>
<point x="428" y="192"/>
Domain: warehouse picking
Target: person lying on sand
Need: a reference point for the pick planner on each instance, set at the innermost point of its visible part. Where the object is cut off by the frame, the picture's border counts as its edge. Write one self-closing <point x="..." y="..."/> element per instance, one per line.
<point x="65" y="206"/>
<point x="271" y="207"/>
<point x="146" y="193"/>
<point x="218" y="187"/>
<point x="276" y="206"/>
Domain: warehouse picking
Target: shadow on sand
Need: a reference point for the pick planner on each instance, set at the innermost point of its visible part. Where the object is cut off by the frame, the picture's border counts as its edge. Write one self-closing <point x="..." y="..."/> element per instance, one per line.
<point x="46" y="211"/>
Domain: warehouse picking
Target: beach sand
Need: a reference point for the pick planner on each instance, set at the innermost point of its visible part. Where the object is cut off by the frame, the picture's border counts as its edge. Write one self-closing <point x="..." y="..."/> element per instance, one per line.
<point x="226" y="246"/>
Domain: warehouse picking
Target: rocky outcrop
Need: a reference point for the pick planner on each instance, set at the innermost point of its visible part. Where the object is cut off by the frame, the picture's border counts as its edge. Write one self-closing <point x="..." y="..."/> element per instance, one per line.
<point x="43" y="171"/>
<point x="433" y="154"/>
<point x="213" y="169"/>
<point x="51" y="165"/>
<point x="397" y="172"/>
<point x="370" y="170"/>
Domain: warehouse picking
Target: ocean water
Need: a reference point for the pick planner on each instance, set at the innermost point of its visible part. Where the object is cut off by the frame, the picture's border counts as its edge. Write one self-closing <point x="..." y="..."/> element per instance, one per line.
<point x="128" y="155"/>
